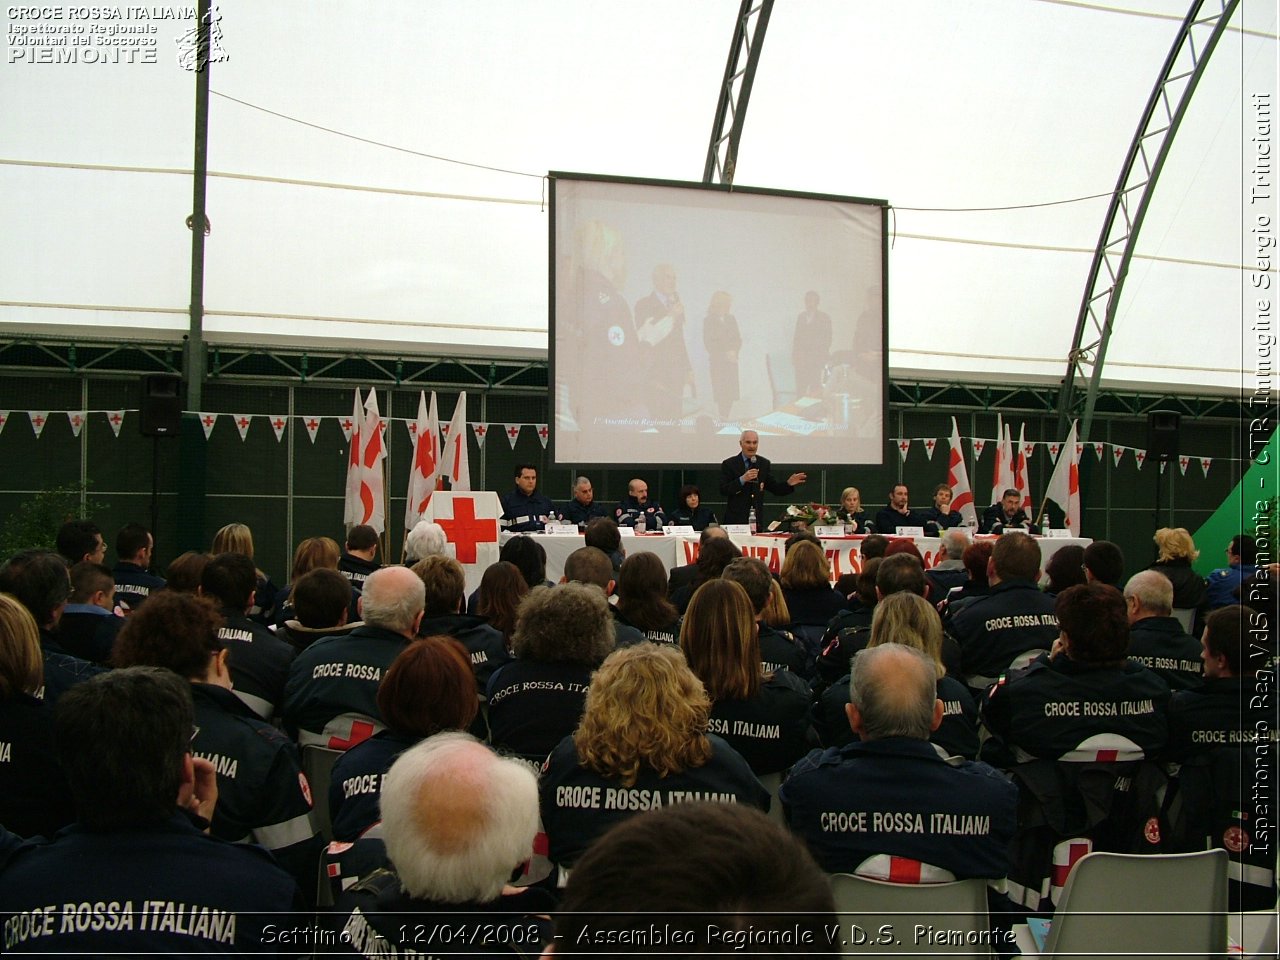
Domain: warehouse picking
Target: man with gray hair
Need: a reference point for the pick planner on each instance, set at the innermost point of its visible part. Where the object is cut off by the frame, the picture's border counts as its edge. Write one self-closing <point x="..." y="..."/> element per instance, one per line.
<point x="426" y="539"/>
<point x="330" y="698"/>
<point x="583" y="508"/>
<point x="1156" y="638"/>
<point x="950" y="572"/>
<point x="457" y="820"/>
<point x="887" y="805"/>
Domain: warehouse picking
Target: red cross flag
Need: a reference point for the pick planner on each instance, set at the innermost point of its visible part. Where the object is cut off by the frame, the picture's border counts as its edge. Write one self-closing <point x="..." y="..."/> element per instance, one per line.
<point x="76" y="418"/>
<point x="1117" y="453"/>
<point x="4" y="418"/>
<point x="313" y="425"/>
<point x="207" y="420"/>
<point x="424" y="472"/>
<point x="978" y="446"/>
<point x="349" y="424"/>
<point x="454" y="462"/>
<point x="480" y="429"/>
<point x="904" y="445"/>
<point x="351" y="509"/>
<point x="512" y="430"/>
<point x="1183" y="462"/>
<point x="373" y="502"/>
<point x="470" y="521"/>
<point x="242" y="423"/>
<point x="1204" y="465"/>
<point x="1097" y="448"/>
<point x="38" y="419"/>
<point x="1020" y="469"/>
<point x="958" y="481"/>
<point x="277" y="425"/>
<point x="1140" y="456"/>
<point x="1064" y="485"/>
<point x="116" y="419"/>
<point x="929" y="444"/>
<point x="543" y="434"/>
<point x="1002" y="470"/>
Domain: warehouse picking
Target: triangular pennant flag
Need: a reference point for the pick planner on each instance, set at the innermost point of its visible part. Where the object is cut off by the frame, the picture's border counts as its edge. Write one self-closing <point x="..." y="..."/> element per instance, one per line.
<point x="4" y="418"/>
<point x="904" y="445"/>
<point x="543" y="434"/>
<point x="978" y="444"/>
<point x="242" y="423"/>
<point x="1080" y="452"/>
<point x="1053" y="450"/>
<point x="278" y="425"/>
<point x="1183" y="462"/>
<point x="207" y="420"/>
<point x="1140" y="456"/>
<point x="38" y="419"/>
<point x="1117" y="453"/>
<point x="1204" y="465"/>
<point x="1097" y="448"/>
<point x="1163" y="463"/>
<point x="313" y="425"/>
<point x="1028" y="449"/>
<point x="929" y="444"/>
<point x="348" y="424"/>
<point x="77" y="421"/>
<point x="480" y="430"/>
<point x="116" y="419"/>
<point x="513" y="433"/>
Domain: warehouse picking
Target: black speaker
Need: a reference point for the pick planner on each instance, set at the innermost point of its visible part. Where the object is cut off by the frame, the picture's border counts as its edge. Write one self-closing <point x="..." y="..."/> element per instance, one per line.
<point x="1162" y="434"/>
<point x="161" y="410"/>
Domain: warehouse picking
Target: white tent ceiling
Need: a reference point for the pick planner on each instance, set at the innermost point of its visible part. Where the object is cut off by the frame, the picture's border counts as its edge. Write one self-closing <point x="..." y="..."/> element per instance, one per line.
<point x="941" y="108"/>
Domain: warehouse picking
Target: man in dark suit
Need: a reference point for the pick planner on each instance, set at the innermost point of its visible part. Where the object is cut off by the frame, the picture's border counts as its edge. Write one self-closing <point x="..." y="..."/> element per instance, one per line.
<point x="898" y="513"/>
<point x="666" y="359"/>
<point x="745" y="477"/>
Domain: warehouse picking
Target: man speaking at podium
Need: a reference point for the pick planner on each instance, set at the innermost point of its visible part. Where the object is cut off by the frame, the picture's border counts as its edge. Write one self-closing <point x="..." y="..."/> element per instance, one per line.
<point x="745" y="477"/>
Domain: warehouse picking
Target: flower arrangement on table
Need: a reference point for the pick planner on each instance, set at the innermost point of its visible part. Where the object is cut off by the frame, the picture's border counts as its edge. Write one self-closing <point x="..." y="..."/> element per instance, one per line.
<point x="804" y="516"/>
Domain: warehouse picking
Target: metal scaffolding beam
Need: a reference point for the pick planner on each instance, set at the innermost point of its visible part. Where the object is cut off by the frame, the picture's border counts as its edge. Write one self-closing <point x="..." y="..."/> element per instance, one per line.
<point x="1196" y="39"/>
<point x="735" y="92"/>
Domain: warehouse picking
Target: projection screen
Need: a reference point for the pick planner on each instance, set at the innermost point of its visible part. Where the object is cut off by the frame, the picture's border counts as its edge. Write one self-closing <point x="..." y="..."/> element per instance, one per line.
<point x="682" y="314"/>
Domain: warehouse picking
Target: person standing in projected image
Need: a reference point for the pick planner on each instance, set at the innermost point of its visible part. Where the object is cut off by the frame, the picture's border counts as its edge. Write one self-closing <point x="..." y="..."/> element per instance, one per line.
<point x="665" y="361"/>
<point x="810" y="346"/>
<point x="723" y="340"/>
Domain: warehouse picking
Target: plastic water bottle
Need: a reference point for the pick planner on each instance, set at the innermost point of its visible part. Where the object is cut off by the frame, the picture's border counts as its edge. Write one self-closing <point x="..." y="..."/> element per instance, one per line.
<point x="751" y="520"/>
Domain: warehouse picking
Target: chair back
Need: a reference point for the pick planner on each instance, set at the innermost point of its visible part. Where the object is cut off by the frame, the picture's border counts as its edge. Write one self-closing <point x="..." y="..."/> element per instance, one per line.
<point x="1120" y="904"/>
<point x="317" y="766"/>
<point x="1185" y="616"/>
<point x="882" y="918"/>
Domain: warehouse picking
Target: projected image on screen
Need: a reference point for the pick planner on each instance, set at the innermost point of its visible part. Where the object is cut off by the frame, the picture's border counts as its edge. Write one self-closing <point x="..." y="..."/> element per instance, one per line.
<point x="683" y="315"/>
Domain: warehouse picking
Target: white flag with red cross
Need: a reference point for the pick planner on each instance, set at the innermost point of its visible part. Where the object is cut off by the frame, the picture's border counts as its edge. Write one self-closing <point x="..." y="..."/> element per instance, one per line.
<point x="373" y="500"/>
<point x="512" y="430"/>
<point x="470" y="522"/>
<point x="38" y="419"/>
<point x="351" y="509"/>
<point x="76" y="419"/>
<point x="243" y="420"/>
<point x="958" y="481"/>
<point x="904" y="447"/>
<point x="480" y="430"/>
<point x="207" y="422"/>
<point x="424" y="472"/>
<point x="312" y="425"/>
<point x="543" y="434"/>
<point x="116" y="419"/>
<point x="454" y="463"/>
<point x="278" y="423"/>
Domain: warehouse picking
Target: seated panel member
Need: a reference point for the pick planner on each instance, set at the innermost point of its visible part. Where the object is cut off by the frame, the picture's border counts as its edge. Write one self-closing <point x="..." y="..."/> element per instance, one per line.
<point x="636" y="505"/>
<point x="524" y="509"/>
<point x="850" y="511"/>
<point x="583" y="508"/>
<point x="1005" y="515"/>
<point x="690" y="510"/>
<point x="940" y="515"/>
<point x="889" y="794"/>
<point x="897" y="513"/>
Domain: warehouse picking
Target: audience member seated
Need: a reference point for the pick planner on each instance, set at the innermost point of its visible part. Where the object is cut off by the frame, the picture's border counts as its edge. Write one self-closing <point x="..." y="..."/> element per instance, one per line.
<point x="765" y="717"/>
<point x="529" y="558"/>
<point x="38" y="580"/>
<point x="426" y="539"/>
<point x="637" y="510"/>
<point x="686" y="573"/>
<point x="1223" y="582"/>
<point x="134" y="545"/>
<point x="331" y="695"/>
<point x="562" y="634"/>
<point x="850" y="511"/>
<point x="258" y="659"/>
<point x="524" y="508"/>
<point x="950" y="572"/>
<point x="136" y="852"/>
<point x="906" y="618"/>
<point x="976" y="560"/>
<point x="874" y="545"/>
<point x="261" y="792"/>
<point x="602" y="533"/>
<point x="590" y="566"/>
<point x="436" y="664"/>
<point x="719" y="869"/>
<point x="1084" y="700"/>
<point x="779" y="648"/>
<point x="861" y="605"/>
<point x="713" y="556"/>
<point x="501" y="590"/>
<point x="583" y="508"/>
<point x="313" y="553"/>
<point x="321" y="602"/>
<point x="775" y="612"/>
<point x="889" y="794"/>
<point x="446" y="586"/>
<point x="690" y="511"/>
<point x="184" y="572"/>
<point x="34" y="798"/>
<point x="642" y="599"/>
<point x="88" y="625"/>
<point x="806" y="583"/>
<point x="79" y="540"/>
<point x="1065" y="568"/>
<point x="897" y="513"/>
<point x="1176" y="551"/>
<point x="1156" y="638"/>
<point x="238" y="538"/>
<point x="1013" y="619"/>
<point x="1219" y="751"/>
<point x="1006" y="515"/>
<point x="642" y="743"/>
<point x="358" y="558"/>
<point x="457" y="820"/>
<point x="940" y="516"/>
<point x="1104" y="563"/>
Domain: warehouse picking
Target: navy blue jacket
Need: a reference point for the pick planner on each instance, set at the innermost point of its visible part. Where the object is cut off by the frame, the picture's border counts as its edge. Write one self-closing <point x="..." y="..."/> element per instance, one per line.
<point x="523" y="512"/>
<point x="134" y="584"/>
<point x="1161" y="645"/>
<point x="1013" y="618"/>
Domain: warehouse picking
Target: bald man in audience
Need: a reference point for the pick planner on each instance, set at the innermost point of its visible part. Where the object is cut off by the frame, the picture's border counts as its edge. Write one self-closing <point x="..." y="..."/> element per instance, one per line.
<point x="1156" y="638"/>
<point x="457" y="821"/>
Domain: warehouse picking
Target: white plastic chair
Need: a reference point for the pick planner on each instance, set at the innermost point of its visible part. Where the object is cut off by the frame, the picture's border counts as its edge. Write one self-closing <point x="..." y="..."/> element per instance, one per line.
<point x="903" y="918"/>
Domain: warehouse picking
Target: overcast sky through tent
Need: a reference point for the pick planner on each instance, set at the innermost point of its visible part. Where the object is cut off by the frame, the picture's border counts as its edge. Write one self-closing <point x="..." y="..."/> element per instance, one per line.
<point x="935" y="106"/>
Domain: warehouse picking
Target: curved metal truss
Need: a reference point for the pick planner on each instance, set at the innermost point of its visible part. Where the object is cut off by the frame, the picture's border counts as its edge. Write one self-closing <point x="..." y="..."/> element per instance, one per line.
<point x="731" y="111"/>
<point x="1183" y="68"/>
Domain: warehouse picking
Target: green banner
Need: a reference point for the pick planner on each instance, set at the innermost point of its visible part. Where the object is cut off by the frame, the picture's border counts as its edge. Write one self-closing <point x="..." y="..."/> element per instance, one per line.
<point x="1250" y="508"/>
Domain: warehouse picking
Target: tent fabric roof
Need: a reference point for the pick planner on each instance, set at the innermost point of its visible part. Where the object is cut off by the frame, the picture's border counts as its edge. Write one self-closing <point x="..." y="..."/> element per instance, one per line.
<point x="995" y="130"/>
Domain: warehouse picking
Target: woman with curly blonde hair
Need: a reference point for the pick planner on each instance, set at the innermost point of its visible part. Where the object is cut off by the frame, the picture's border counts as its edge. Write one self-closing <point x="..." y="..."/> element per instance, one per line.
<point x="642" y="743"/>
<point x="1177" y="551"/>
